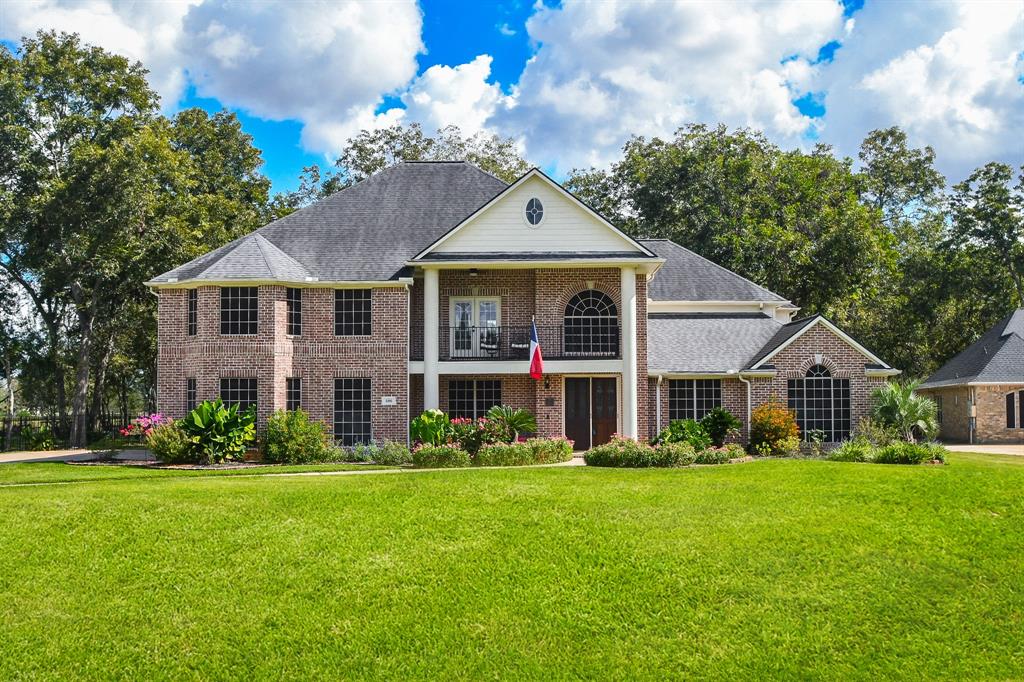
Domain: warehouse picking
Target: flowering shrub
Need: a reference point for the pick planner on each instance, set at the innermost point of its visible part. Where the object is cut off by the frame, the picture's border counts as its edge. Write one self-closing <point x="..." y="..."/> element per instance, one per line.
<point x="720" y="455"/>
<point x="439" y="456"/>
<point x="621" y="452"/>
<point x="504" y="454"/>
<point x="142" y="426"/>
<point x="773" y="430"/>
<point x="550" y="450"/>
<point x="170" y="444"/>
<point x="471" y="434"/>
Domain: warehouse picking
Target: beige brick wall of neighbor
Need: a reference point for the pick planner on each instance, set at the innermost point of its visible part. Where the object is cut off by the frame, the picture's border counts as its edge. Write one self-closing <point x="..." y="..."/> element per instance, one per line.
<point x="271" y="356"/>
<point x="991" y="414"/>
<point x="956" y="412"/>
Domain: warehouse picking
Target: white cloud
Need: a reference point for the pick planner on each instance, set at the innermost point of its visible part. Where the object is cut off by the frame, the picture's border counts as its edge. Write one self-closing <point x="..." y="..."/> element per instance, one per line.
<point x="947" y="74"/>
<point x="325" y="63"/>
<point x="506" y="30"/>
<point x="459" y="95"/>
<point x="604" y="71"/>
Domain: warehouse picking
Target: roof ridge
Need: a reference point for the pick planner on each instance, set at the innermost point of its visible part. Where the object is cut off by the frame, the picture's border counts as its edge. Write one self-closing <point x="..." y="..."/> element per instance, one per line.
<point x="227" y="250"/>
<point x="731" y="272"/>
<point x="259" y="239"/>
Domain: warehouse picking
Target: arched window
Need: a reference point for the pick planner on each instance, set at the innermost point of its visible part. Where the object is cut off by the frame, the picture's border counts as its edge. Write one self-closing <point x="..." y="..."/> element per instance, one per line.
<point x="822" y="404"/>
<point x="591" y="325"/>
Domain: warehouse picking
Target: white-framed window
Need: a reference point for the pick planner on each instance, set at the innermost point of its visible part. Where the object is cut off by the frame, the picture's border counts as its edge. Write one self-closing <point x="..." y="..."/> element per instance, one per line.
<point x="693" y="398"/>
<point x="475" y="326"/>
<point x="533" y="212"/>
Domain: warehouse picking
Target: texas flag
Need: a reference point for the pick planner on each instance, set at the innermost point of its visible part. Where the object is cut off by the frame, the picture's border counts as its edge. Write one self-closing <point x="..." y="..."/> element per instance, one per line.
<point x="536" y="359"/>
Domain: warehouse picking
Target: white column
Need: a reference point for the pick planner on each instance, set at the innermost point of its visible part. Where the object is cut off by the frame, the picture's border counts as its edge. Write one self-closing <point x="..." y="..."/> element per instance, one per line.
<point x="629" y="388"/>
<point x="431" y="331"/>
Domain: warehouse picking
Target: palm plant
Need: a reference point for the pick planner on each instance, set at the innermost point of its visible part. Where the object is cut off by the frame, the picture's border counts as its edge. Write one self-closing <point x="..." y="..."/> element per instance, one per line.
<point x="899" y="406"/>
<point x="514" y="420"/>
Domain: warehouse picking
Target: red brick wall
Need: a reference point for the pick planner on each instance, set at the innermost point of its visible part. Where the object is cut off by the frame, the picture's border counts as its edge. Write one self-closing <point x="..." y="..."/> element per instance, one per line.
<point x="734" y="399"/>
<point x="318" y="356"/>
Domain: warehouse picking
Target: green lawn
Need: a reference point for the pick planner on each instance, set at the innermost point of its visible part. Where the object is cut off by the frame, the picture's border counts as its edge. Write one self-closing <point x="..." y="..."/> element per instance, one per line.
<point x="793" y="569"/>
<point x="58" y="472"/>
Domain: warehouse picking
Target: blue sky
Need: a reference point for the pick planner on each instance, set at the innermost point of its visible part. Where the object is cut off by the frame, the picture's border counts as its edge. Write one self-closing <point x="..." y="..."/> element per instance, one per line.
<point x="572" y="81"/>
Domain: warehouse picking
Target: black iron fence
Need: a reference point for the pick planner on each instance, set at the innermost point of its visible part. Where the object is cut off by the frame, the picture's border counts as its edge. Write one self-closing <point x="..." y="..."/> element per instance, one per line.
<point x="53" y="433"/>
<point x="557" y="342"/>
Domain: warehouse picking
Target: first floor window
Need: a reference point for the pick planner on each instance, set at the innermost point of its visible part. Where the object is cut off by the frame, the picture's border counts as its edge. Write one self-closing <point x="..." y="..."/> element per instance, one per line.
<point x="472" y="398"/>
<point x="191" y="393"/>
<point x="239" y="310"/>
<point x="352" y="312"/>
<point x="822" y="404"/>
<point x="938" y="409"/>
<point x="1011" y="412"/>
<point x="352" y="411"/>
<point x="238" y="391"/>
<point x="293" y="393"/>
<point x="294" y="309"/>
<point x="693" y="398"/>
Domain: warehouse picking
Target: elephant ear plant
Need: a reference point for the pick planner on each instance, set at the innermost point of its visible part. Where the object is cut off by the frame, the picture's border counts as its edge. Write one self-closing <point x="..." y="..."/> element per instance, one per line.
<point x="220" y="433"/>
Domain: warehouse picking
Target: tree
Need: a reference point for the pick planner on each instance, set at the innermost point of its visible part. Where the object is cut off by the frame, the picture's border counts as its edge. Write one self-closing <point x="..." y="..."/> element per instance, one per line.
<point x="988" y="222"/>
<point x="101" y="193"/>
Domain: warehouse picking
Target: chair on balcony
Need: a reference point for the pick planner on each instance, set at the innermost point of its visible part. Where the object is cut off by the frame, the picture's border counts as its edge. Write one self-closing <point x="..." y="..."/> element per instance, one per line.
<point x="519" y="343"/>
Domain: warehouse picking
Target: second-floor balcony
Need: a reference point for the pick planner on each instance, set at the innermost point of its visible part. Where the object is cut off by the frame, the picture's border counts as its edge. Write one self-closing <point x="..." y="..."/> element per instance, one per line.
<point x="578" y="340"/>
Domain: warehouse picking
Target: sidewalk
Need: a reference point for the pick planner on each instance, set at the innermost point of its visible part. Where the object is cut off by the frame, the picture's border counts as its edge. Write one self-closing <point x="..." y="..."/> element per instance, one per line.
<point x="988" y="449"/>
<point x="56" y="456"/>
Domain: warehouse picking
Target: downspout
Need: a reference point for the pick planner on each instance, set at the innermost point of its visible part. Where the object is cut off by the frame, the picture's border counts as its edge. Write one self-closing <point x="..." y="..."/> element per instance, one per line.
<point x="748" y="382"/>
<point x="657" y="404"/>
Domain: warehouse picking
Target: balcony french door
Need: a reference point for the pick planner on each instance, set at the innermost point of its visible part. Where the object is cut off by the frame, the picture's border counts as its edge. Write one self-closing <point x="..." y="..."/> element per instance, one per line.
<point x="475" y="327"/>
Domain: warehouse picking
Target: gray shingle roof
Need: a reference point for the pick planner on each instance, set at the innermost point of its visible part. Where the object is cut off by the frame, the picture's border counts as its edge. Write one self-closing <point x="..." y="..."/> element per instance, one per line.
<point x="997" y="357"/>
<point x="686" y="276"/>
<point x="784" y="333"/>
<point x="363" y="233"/>
<point x="699" y="342"/>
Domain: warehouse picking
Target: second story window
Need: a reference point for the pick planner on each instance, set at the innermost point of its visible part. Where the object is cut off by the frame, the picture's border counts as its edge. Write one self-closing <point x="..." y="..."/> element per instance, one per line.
<point x="352" y="312"/>
<point x="239" y="310"/>
<point x="193" y="312"/>
<point x="294" y="312"/>
<point x="591" y="325"/>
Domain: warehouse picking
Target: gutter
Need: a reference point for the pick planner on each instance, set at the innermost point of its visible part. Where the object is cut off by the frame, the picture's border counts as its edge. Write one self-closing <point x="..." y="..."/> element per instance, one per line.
<point x="657" y="403"/>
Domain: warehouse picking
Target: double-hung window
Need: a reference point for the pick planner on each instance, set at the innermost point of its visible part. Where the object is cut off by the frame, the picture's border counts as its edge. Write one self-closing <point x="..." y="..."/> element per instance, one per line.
<point x="352" y="312"/>
<point x="239" y="310"/>
<point x="352" y="411"/>
<point x="239" y="391"/>
<point x="294" y="303"/>
<point x="193" y="312"/>
<point x="693" y="398"/>
<point x="191" y="394"/>
<point x="472" y="398"/>
<point x="1015" y="413"/>
<point x="293" y="393"/>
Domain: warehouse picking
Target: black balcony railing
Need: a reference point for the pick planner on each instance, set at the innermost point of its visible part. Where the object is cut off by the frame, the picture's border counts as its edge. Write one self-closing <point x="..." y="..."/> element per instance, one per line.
<point x="557" y="342"/>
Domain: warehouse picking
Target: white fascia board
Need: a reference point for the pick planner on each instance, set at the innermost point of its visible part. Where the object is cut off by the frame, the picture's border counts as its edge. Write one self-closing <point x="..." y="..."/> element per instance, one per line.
<point x="837" y="331"/>
<point x="303" y="284"/>
<point x="522" y="367"/>
<point x="646" y="265"/>
<point x="532" y="173"/>
<point x="875" y="373"/>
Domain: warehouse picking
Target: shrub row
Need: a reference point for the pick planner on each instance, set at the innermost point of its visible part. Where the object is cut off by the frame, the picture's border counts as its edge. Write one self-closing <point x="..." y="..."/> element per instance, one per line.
<point x="532" y="451"/>
<point x="628" y="453"/>
<point x="860" y="449"/>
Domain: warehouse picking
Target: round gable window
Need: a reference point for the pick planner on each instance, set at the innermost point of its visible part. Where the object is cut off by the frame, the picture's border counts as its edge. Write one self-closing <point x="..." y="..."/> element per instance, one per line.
<point x="534" y="212"/>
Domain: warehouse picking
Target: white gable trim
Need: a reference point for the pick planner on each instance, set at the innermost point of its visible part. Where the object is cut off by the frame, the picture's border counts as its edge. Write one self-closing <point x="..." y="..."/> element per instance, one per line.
<point x="835" y="330"/>
<point x="532" y="173"/>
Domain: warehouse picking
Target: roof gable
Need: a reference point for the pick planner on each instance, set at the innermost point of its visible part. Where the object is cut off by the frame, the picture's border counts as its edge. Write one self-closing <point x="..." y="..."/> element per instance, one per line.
<point x="568" y="226"/>
<point x="792" y="331"/>
<point x="996" y="357"/>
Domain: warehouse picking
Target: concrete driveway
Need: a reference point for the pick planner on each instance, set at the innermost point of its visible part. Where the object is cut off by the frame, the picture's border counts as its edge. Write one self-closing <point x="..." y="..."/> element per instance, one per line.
<point x="989" y="449"/>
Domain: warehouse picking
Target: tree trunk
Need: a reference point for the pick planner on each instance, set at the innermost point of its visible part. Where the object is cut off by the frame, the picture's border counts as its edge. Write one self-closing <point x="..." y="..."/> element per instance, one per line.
<point x="86" y="316"/>
<point x="99" y="384"/>
<point x="9" y="374"/>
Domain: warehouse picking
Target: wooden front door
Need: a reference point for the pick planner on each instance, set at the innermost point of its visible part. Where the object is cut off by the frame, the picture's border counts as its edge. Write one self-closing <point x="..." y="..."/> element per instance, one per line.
<point x="591" y="411"/>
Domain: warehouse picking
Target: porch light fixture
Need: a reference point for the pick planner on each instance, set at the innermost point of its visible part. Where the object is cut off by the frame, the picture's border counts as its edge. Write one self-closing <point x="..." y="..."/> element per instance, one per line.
<point x="473" y="272"/>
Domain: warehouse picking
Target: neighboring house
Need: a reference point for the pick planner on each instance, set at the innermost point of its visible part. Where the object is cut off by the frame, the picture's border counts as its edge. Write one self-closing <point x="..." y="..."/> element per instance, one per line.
<point x="980" y="392"/>
<point x="416" y="289"/>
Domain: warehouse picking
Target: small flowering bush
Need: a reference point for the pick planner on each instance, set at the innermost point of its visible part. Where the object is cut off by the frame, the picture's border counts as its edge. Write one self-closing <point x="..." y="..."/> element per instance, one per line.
<point x="550" y="450"/>
<point x="439" y="457"/>
<point x="142" y="426"/>
<point x="472" y="434"/>
<point x="773" y="430"/>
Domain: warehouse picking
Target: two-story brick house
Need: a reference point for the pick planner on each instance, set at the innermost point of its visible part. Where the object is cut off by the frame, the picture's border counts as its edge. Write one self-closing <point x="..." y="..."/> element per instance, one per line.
<point x="417" y="287"/>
